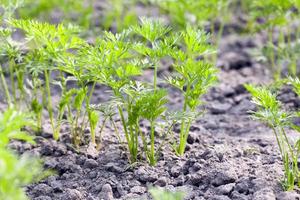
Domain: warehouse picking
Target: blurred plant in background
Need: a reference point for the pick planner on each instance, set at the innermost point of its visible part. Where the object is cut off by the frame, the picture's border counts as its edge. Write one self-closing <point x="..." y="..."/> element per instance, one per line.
<point x="280" y="20"/>
<point x="16" y="171"/>
<point x="58" y="11"/>
<point x="118" y="15"/>
<point x="161" y="194"/>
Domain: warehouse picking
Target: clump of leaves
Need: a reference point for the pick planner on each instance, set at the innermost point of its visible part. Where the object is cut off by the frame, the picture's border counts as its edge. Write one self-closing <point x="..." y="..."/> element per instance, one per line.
<point x="11" y="56"/>
<point x="51" y="51"/>
<point x="16" y="171"/>
<point x="149" y="105"/>
<point x="112" y="62"/>
<point x="271" y="113"/>
<point x="115" y="60"/>
<point x="47" y="44"/>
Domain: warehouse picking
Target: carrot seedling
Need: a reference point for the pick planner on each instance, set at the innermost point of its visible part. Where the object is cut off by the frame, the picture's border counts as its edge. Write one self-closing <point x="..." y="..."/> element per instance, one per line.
<point x="193" y="77"/>
<point x="271" y="113"/>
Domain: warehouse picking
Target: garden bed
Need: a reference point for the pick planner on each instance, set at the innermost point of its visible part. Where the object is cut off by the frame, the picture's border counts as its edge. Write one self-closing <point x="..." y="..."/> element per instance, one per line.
<point x="228" y="154"/>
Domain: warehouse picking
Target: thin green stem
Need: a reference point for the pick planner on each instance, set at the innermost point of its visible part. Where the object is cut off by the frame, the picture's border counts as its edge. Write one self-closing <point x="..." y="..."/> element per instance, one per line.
<point x="130" y="138"/>
<point x="123" y="123"/>
<point x="152" y="151"/>
<point x="187" y="131"/>
<point x="7" y="94"/>
<point x="61" y="112"/>
<point x="272" y="56"/>
<point x="218" y="38"/>
<point x="287" y="142"/>
<point x="155" y="61"/>
<point x="88" y="100"/>
<point x="38" y="109"/>
<point x="12" y="79"/>
<point x="167" y="133"/>
<point x="293" y="64"/>
<point x="100" y="133"/>
<point x="145" y="145"/>
<point x="88" y="110"/>
<point x="39" y="112"/>
<point x="182" y="140"/>
<point x="20" y="80"/>
<point x="116" y="130"/>
<point x="49" y="105"/>
<point x="155" y="76"/>
<point x="137" y="130"/>
<point x="132" y="145"/>
<point x="289" y="37"/>
<point x="76" y="131"/>
<point x="77" y="118"/>
<point x="278" y="141"/>
<point x="39" y="121"/>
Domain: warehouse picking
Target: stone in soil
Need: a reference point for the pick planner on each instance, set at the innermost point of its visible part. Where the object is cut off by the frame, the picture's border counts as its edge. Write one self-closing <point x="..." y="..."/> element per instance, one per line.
<point x="225" y="189"/>
<point x="145" y="175"/>
<point x="106" y="193"/>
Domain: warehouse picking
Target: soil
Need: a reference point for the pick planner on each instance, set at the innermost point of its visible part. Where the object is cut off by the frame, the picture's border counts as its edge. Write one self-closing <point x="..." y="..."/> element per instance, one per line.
<point x="229" y="155"/>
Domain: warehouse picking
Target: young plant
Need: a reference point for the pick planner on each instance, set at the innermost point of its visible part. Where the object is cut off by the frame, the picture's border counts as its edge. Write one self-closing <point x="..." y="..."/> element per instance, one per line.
<point x="105" y="62"/>
<point x="73" y="99"/>
<point x="193" y="78"/>
<point x="112" y="62"/>
<point x="135" y="100"/>
<point x="16" y="171"/>
<point x="93" y="66"/>
<point x="270" y="112"/>
<point x="11" y="54"/>
<point x="71" y="103"/>
<point x="94" y="117"/>
<point x="35" y="85"/>
<point x="47" y="43"/>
